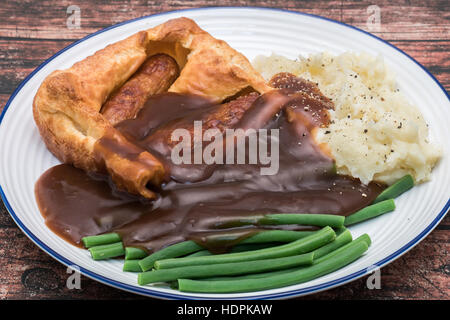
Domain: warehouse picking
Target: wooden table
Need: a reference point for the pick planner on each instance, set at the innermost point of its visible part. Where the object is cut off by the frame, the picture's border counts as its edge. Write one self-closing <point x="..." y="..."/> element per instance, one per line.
<point x="31" y="32"/>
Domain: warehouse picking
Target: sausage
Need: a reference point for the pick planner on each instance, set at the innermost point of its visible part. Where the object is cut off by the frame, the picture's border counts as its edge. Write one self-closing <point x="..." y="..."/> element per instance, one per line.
<point x="155" y="76"/>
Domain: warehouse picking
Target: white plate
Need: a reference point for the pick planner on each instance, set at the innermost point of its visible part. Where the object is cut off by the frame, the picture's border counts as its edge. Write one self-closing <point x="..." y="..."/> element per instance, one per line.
<point x="252" y="31"/>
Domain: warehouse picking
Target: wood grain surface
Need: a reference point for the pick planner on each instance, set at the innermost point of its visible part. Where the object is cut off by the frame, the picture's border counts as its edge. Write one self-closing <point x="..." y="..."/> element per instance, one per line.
<point x="32" y="31"/>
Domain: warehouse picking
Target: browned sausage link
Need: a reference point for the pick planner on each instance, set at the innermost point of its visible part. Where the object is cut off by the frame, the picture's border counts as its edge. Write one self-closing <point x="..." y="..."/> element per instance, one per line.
<point x="155" y="76"/>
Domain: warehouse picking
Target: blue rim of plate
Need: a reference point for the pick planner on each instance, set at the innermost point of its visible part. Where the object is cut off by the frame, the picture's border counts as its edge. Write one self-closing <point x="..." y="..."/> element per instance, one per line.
<point x="152" y="293"/>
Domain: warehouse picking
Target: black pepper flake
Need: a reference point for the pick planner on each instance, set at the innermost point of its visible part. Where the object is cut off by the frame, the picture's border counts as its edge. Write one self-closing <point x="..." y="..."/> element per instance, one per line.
<point x="400" y="126"/>
<point x="327" y="132"/>
<point x="365" y="130"/>
<point x="392" y="150"/>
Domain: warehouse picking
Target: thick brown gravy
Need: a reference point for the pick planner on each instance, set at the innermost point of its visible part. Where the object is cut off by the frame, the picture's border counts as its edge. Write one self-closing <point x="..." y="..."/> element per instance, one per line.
<point x="202" y="201"/>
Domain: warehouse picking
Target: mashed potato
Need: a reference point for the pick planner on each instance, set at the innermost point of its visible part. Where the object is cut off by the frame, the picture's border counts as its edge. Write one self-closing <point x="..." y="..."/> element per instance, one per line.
<point x="375" y="133"/>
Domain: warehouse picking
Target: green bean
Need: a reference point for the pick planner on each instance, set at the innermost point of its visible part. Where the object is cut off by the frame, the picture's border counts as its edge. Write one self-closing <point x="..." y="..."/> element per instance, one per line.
<point x="350" y="254"/>
<point x="200" y="253"/>
<point x="132" y="253"/>
<point x="276" y="236"/>
<point x="101" y="239"/>
<point x="370" y="212"/>
<point x="402" y="185"/>
<point x="132" y="266"/>
<point x="175" y="250"/>
<point x="107" y="251"/>
<point x="234" y="268"/>
<point x="320" y="220"/>
<point x="300" y="246"/>
<point x="342" y="239"/>
<point x="237" y="248"/>
<point x="333" y="170"/>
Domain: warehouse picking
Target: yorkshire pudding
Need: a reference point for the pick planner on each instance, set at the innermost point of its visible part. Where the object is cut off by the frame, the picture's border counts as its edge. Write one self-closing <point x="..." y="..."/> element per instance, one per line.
<point x="67" y="105"/>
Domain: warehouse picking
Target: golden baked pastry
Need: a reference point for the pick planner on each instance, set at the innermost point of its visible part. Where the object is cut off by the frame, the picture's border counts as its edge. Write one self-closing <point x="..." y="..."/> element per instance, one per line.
<point x="67" y="106"/>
